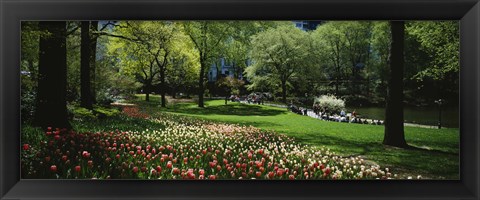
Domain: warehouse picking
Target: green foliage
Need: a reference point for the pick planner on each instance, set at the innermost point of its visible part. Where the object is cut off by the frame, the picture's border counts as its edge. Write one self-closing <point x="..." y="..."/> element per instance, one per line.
<point x="440" y="40"/>
<point x="230" y="84"/>
<point x="82" y="114"/>
<point x="278" y="54"/>
<point x="27" y="104"/>
<point x="104" y="112"/>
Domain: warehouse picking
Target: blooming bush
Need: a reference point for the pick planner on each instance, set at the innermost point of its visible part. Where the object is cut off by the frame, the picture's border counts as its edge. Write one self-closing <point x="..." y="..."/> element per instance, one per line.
<point x="332" y="103"/>
<point x="186" y="149"/>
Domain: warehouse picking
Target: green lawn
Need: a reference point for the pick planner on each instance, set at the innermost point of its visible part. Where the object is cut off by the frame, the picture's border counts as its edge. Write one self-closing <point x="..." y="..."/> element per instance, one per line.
<point x="435" y="153"/>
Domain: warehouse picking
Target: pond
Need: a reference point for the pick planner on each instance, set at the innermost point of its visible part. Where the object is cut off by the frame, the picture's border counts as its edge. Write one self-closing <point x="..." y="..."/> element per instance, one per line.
<point x="417" y="115"/>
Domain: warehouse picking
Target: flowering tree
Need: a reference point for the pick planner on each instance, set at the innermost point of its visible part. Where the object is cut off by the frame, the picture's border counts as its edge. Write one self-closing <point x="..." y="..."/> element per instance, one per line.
<point x="330" y="102"/>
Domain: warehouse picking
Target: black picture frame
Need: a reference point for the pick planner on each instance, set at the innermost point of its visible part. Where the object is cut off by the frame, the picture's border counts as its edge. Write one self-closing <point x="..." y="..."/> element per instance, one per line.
<point x="14" y="11"/>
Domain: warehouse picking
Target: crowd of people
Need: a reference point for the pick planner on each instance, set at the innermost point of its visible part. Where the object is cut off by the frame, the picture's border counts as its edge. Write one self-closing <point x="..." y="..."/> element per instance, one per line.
<point x="327" y="115"/>
<point x="250" y="99"/>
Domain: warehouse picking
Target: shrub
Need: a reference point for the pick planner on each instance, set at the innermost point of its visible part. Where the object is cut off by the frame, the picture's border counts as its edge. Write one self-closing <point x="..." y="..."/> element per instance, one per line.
<point x="27" y="104"/>
<point x="98" y="112"/>
<point x="332" y="103"/>
<point x="83" y="113"/>
<point x="102" y="112"/>
<point x="105" y="98"/>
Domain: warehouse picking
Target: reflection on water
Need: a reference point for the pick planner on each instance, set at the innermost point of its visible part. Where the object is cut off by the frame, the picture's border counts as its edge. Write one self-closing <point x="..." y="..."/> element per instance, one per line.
<point x="418" y="115"/>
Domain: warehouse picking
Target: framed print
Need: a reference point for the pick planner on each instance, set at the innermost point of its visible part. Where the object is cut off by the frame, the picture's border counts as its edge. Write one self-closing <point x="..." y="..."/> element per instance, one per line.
<point x="239" y="99"/>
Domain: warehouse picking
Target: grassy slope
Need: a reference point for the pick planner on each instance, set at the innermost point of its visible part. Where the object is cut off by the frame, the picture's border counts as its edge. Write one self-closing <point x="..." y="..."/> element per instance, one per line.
<point x="435" y="157"/>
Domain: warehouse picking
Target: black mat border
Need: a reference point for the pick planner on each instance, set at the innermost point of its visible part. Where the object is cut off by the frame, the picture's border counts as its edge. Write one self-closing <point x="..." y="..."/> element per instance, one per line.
<point x="13" y="11"/>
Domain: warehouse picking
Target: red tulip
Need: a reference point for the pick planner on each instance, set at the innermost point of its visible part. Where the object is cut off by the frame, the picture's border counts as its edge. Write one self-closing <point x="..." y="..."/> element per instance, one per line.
<point x="77" y="168"/>
<point x="57" y="137"/>
<point x="53" y="168"/>
<point x="258" y="174"/>
<point x="159" y="169"/>
<point x="271" y="174"/>
<point x="280" y="172"/>
<point x="176" y="171"/>
<point x="201" y="172"/>
<point x="212" y="177"/>
<point x="260" y="151"/>
<point x="326" y="171"/>
<point x="64" y="157"/>
<point x="25" y="147"/>
<point x="135" y="170"/>
<point x="169" y="164"/>
<point x="291" y="177"/>
<point x="212" y="164"/>
<point x="85" y="154"/>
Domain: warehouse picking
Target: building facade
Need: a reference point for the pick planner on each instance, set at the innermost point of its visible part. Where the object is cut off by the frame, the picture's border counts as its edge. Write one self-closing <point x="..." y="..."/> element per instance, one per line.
<point x="223" y="69"/>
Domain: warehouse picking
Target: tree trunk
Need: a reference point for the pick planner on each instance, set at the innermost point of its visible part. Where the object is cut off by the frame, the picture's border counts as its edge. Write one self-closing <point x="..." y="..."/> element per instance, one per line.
<point x="394" y="133"/>
<point x="162" y="85"/>
<point x="174" y="91"/>
<point x="147" y="91"/>
<point x="336" y="85"/>
<point x="52" y="79"/>
<point x="93" y="60"/>
<point x="201" y="88"/>
<point x="284" y="91"/>
<point x="85" y="84"/>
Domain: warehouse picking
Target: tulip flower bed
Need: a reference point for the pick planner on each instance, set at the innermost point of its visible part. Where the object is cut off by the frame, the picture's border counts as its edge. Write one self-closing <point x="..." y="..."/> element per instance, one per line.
<point x="186" y="148"/>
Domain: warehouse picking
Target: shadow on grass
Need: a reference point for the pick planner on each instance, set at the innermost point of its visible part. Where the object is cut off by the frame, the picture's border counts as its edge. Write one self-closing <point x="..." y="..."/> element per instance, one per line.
<point x="230" y="109"/>
<point x="412" y="160"/>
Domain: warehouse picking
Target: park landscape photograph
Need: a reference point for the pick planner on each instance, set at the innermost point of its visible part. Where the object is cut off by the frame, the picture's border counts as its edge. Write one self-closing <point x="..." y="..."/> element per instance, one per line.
<point x="240" y="100"/>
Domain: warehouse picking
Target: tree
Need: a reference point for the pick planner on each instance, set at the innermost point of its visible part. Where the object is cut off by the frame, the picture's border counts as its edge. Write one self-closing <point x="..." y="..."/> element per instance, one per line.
<point x="394" y="133"/>
<point x="183" y="65"/>
<point x="30" y="36"/>
<point x="381" y="39"/>
<point x="93" y="55"/>
<point x="231" y="85"/>
<point x="278" y="54"/>
<point x="432" y="61"/>
<point x="328" y="49"/>
<point x="156" y="38"/>
<point x="52" y="78"/>
<point x="206" y="35"/>
<point x="85" y="59"/>
<point x="134" y="60"/>
<point x="358" y="44"/>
